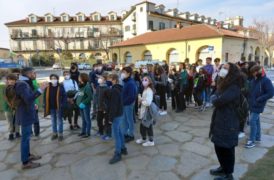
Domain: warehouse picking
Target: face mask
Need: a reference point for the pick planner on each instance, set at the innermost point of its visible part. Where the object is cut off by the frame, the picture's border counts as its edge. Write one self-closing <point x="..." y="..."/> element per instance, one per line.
<point x="223" y="73"/>
<point x="54" y="82"/>
<point x="67" y="77"/>
<point x="73" y="68"/>
<point x="145" y="71"/>
<point x="100" y="68"/>
<point x="123" y="76"/>
<point x="100" y="81"/>
<point x="145" y="83"/>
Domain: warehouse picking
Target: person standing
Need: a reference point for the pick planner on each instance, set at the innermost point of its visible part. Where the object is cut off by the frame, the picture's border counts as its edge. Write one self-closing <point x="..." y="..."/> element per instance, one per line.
<point x="183" y="80"/>
<point x="115" y="112"/>
<point x="83" y="101"/>
<point x="74" y="72"/>
<point x="160" y="86"/>
<point x="224" y="126"/>
<point x="209" y="72"/>
<point x="14" y="129"/>
<point x="55" y="100"/>
<point x="129" y="96"/>
<point x="261" y="89"/>
<point x="71" y="88"/>
<point x="36" y="124"/>
<point x="25" y="114"/>
<point x="146" y="126"/>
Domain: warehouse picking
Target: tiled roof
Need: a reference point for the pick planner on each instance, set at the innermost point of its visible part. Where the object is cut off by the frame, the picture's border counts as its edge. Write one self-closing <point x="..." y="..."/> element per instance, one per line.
<point x="199" y="31"/>
<point x="41" y="20"/>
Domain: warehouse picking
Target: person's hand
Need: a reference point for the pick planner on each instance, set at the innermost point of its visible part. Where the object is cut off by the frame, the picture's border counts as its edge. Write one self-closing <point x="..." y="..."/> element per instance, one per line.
<point x="213" y="83"/>
<point x="82" y="106"/>
<point x="44" y="86"/>
<point x="36" y="107"/>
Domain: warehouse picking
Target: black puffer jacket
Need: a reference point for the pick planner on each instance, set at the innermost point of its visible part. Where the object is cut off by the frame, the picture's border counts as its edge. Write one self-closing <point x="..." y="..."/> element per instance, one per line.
<point x="224" y="126"/>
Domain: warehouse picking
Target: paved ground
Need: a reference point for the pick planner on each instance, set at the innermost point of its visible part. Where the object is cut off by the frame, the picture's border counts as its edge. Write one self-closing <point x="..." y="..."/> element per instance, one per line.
<point x="182" y="151"/>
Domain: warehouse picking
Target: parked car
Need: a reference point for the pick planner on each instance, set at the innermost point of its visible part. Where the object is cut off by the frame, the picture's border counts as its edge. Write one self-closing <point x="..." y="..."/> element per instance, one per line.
<point x="57" y="66"/>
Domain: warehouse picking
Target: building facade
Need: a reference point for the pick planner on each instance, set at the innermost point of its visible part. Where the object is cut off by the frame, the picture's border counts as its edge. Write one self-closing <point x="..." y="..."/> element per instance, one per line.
<point x="4" y="53"/>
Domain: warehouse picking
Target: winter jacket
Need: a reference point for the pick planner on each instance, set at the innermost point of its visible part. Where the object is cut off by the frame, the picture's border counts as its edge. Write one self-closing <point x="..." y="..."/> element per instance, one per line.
<point x="84" y="95"/>
<point x="25" y="114"/>
<point x="224" y="128"/>
<point x="61" y="99"/>
<point x="115" y="108"/>
<point x="101" y="91"/>
<point x="129" y="91"/>
<point x="199" y="83"/>
<point x="261" y="89"/>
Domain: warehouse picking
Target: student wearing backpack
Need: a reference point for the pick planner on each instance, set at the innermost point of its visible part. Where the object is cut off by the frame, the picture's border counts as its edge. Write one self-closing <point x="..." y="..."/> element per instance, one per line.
<point x="9" y="110"/>
<point x="25" y="114"/>
<point x="224" y="126"/>
<point x="55" y="101"/>
<point x="71" y="88"/>
<point x="261" y="90"/>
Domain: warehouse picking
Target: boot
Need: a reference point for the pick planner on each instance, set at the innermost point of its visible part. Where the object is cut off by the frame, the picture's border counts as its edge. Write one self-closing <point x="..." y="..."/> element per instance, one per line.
<point x="225" y="177"/>
<point x="124" y="151"/>
<point x="116" y="158"/>
<point x="217" y="172"/>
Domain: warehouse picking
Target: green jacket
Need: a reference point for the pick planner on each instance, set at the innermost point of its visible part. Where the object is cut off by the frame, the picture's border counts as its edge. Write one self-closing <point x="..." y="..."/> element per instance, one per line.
<point x="5" y="105"/>
<point x="84" y="95"/>
<point x="36" y="87"/>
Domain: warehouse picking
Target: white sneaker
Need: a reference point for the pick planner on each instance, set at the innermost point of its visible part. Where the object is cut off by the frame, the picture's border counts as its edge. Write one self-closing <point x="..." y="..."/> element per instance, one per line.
<point x="163" y="113"/>
<point x="148" y="143"/>
<point x="140" y="141"/>
<point x="241" y="135"/>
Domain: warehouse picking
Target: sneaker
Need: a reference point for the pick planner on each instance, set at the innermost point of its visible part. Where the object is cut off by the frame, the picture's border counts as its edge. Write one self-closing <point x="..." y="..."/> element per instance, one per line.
<point x="250" y="144"/>
<point x="30" y="165"/>
<point x="241" y="135"/>
<point x="54" y="136"/>
<point x="124" y="151"/>
<point x="34" y="158"/>
<point x="140" y="141"/>
<point x="106" y="137"/>
<point x="148" y="143"/>
<point x="11" y="137"/>
<point x="60" y="138"/>
<point x="116" y="158"/>
<point x="163" y="113"/>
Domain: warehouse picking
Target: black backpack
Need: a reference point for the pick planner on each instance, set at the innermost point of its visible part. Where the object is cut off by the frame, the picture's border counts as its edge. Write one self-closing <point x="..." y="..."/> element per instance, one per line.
<point x="243" y="108"/>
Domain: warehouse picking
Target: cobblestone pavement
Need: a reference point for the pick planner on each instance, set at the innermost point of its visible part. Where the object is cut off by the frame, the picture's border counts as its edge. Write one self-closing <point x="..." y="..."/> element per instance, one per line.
<point x="182" y="151"/>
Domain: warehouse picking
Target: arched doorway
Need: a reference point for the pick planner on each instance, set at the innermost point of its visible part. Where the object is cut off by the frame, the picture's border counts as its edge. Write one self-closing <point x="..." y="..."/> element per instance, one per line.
<point x="257" y="54"/>
<point x="147" y="56"/>
<point x="114" y="58"/>
<point x="128" y="58"/>
<point x="173" y="56"/>
<point x="203" y="52"/>
<point x="250" y="54"/>
<point x="266" y="58"/>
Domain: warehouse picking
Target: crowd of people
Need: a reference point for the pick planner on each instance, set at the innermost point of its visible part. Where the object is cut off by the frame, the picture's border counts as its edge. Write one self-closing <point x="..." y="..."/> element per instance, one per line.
<point x="117" y="99"/>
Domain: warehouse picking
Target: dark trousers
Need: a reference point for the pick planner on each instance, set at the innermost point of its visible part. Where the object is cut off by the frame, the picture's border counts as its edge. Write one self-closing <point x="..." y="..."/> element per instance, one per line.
<point x="103" y="123"/>
<point x="146" y="132"/>
<point x="173" y="99"/>
<point x="226" y="157"/>
<point x="75" y="113"/>
<point x="180" y="99"/>
<point x="242" y="124"/>
<point x="198" y="98"/>
<point x="162" y="93"/>
<point x="36" y="125"/>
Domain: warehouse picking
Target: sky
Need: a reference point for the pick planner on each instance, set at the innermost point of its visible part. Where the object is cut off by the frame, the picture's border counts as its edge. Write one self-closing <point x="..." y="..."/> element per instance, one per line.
<point x="12" y="10"/>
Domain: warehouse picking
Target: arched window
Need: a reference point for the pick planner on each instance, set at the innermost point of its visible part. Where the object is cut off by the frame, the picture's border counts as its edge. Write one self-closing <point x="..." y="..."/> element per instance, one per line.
<point x="173" y="56"/>
<point x="147" y="56"/>
<point x="128" y="58"/>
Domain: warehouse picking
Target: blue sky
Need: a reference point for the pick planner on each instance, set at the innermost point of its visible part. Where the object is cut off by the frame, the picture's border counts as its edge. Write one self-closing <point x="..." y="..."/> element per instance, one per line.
<point x="12" y="10"/>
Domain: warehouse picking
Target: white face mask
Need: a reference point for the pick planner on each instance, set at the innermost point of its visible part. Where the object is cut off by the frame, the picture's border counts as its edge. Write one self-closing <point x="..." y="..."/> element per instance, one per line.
<point x="123" y="76"/>
<point x="223" y="73"/>
<point x="67" y="77"/>
<point x="54" y="82"/>
<point x="145" y="71"/>
<point x="100" y="81"/>
<point x="145" y="83"/>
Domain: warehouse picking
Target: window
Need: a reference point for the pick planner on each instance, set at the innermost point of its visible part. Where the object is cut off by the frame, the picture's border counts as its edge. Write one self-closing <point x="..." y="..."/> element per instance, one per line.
<point x="82" y="44"/>
<point x="32" y="19"/>
<point x="80" y="18"/>
<point x="147" y="56"/>
<point x="96" y="18"/>
<point x="65" y="18"/>
<point x="134" y="26"/>
<point x="19" y="44"/>
<point x="150" y="25"/>
<point x="127" y="28"/>
<point x="34" y="32"/>
<point x="226" y="57"/>
<point x="162" y="25"/>
<point x="141" y="9"/>
<point x="48" y="19"/>
<point x="34" y="45"/>
<point x="112" y="17"/>
<point x="96" y="44"/>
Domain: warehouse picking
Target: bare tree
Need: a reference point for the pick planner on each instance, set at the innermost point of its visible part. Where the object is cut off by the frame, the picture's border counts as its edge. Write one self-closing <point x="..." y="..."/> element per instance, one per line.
<point x="265" y="34"/>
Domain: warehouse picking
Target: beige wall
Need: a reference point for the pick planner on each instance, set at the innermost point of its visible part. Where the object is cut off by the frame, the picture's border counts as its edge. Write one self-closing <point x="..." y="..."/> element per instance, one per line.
<point x="4" y="53"/>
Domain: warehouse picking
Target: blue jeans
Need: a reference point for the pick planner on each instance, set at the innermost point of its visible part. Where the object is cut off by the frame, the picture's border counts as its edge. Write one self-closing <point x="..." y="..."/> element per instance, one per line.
<point x="25" y="143"/>
<point x="86" y="121"/>
<point x="255" y="127"/>
<point x="118" y="134"/>
<point x="56" y="120"/>
<point x="128" y="122"/>
<point x="207" y="94"/>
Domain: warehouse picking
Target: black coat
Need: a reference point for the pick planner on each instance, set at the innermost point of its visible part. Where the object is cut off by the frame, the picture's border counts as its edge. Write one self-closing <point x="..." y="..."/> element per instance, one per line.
<point x="115" y="108"/>
<point x="224" y="128"/>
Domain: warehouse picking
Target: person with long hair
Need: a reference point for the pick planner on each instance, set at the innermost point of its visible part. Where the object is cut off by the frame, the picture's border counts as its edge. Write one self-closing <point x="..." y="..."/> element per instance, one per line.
<point x="182" y="86"/>
<point x="160" y="86"/>
<point x="172" y="78"/>
<point x="224" y="126"/>
<point x="146" y="126"/>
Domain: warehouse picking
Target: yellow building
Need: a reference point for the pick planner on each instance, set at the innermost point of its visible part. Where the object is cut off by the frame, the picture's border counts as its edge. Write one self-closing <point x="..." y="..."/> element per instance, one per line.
<point x="193" y="42"/>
